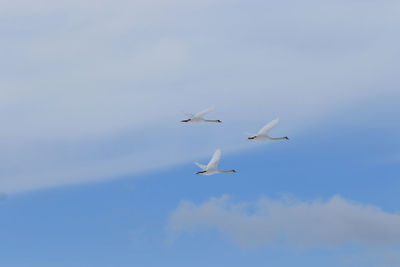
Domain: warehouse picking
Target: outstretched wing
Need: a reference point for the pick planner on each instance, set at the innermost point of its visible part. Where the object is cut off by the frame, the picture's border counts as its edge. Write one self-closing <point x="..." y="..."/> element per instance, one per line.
<point x="213" y="164"/>
<point x="189" y="115"/>
<point x="268" y="127"/>
<point x="201" y="166"/>
<point x="204" y="112"/>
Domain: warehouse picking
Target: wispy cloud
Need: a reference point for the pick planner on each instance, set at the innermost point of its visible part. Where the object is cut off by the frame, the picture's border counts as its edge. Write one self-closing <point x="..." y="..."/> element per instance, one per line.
<point x="331" y="223"/>
<point x="88" y="85"/>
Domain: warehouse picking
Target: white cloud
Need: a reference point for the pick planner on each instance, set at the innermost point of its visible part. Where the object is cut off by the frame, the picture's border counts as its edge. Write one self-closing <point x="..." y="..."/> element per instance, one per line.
<point x="87" y="85"/>
<point x="331" y="223"/>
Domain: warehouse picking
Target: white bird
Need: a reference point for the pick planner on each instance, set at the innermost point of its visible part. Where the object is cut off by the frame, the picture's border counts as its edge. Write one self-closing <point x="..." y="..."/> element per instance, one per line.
<point x="198" y="117"/>
<point x="262" y="135"/>
<point x="212" y="167"/>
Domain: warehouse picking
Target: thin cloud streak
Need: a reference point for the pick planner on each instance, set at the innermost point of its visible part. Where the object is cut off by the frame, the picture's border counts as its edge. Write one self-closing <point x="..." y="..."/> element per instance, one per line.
<point x="78" y="77"/>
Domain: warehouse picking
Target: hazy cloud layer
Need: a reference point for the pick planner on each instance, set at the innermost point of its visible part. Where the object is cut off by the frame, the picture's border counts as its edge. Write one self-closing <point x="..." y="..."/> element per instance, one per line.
<point x="94" y="89"/>
<point x="333" y="222"/>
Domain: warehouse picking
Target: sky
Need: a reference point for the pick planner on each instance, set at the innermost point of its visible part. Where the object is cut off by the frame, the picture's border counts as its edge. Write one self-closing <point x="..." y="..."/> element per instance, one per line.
<point x="97" y="170"/>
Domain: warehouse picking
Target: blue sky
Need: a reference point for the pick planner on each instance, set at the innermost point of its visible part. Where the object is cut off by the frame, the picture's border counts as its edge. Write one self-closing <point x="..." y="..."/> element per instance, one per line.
<point x="123" y="222"/>
<point x="97" y="170"/>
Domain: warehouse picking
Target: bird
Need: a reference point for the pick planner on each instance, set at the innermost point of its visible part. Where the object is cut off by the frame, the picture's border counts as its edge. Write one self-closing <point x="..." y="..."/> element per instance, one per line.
<point x="198" y="117"/>
<point x="262" y="135"/>
<point x="212" y="167"/>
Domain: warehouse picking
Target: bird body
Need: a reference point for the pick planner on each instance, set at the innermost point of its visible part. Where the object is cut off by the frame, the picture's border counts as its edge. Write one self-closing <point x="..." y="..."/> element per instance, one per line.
<point x="212" y="167"/>
<point x="198" y="117"/>
<point x="262" y="135"/>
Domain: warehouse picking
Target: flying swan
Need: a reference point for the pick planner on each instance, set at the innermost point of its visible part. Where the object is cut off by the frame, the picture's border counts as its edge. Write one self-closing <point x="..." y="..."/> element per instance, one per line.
<point x="198" y="117"/>
<point x="212" y="167"/>
<point x="262" y="135"/>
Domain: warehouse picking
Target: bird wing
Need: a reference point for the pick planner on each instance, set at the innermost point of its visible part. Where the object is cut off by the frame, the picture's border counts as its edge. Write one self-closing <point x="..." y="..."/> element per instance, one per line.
<point x="189" y="115"/>
<point x="204" y="112"/>
<point x="213" y="164"/>
<point x="201" y="166"/>
<point x="268" y="127"/>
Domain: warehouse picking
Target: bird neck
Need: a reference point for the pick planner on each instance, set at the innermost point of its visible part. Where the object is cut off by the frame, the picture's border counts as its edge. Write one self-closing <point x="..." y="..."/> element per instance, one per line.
<point x="279" y="138"/>
<point x="227" y="171"/>
<point x="212" y="120"/>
